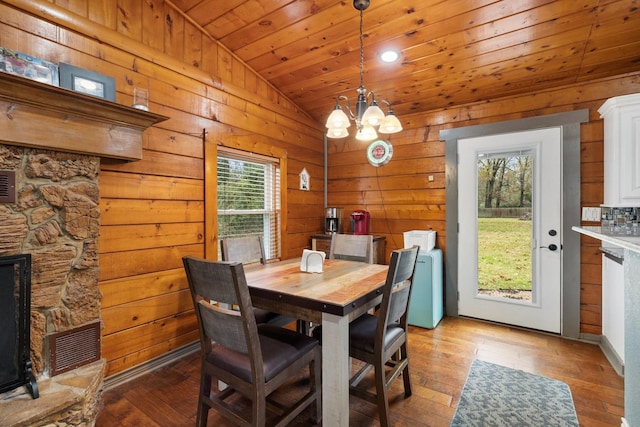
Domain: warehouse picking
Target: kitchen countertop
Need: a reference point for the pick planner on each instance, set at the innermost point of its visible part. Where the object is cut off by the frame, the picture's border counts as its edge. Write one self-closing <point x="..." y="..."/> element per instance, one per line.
<point x="621" y="240"/>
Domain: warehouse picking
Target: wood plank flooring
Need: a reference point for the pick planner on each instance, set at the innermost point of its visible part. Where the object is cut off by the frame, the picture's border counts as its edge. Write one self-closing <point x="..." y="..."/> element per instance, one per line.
<point x="440" y="360"/>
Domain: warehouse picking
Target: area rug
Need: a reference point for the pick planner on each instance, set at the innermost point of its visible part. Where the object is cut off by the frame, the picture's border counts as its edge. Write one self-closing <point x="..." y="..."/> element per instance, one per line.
<point x="498" y="396"/>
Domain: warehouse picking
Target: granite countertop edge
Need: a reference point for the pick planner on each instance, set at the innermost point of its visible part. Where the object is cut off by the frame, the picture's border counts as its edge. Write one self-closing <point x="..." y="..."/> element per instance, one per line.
<point x="622" y="241"/>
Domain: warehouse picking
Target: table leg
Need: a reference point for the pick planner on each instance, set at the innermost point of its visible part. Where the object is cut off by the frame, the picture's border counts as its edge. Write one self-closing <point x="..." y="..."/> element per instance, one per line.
<point x="335" y="370"/>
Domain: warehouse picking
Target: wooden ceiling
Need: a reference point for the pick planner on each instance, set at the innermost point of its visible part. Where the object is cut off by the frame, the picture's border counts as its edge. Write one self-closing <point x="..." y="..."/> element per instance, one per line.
<point x="452" y="51"/>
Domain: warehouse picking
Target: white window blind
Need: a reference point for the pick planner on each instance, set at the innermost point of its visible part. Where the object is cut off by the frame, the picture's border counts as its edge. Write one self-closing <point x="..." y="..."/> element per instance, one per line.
<point x="249" y="198"/>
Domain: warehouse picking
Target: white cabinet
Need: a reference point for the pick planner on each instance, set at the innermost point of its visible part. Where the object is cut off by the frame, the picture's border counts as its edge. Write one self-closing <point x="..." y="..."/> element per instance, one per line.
<point x="621" y="150"/>
<point x="613" y="304"/>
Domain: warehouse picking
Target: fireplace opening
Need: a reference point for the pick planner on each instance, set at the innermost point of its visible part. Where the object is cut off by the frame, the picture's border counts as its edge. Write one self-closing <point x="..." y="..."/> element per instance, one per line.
<point x="15" y="324"/>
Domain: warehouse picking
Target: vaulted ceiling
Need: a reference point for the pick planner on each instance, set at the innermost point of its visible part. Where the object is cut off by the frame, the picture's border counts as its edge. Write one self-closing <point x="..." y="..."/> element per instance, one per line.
<point x="451" y="51"/>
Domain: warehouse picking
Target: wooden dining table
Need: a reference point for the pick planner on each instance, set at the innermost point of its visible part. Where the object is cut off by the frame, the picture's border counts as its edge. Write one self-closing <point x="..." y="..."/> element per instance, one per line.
<point x="334" y="297"/>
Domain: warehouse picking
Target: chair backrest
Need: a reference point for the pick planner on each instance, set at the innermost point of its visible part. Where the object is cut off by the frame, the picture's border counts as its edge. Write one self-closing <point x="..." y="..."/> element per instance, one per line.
<point x="225" y="283"/>
<point x="397" y="290"/>
<point x="352" y="247"/>
<point x="246" y="250"/>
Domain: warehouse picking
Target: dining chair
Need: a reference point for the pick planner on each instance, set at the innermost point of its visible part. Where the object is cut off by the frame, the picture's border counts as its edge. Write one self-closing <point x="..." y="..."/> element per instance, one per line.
<point x="353" y="247"/>
<point x="380" y="340"/>
<point x="250" y="250"/>
<point x="247" y="250"/>
<point x="253" y="359"/>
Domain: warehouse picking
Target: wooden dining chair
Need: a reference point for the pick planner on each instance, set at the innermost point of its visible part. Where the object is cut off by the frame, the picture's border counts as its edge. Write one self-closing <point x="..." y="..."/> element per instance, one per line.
<point x="250" y="250"/>
<point x="254" y="360"/>
<point x="247" y="250"/>
<point x="380" y="340"/>
<point x="352" y="247"/>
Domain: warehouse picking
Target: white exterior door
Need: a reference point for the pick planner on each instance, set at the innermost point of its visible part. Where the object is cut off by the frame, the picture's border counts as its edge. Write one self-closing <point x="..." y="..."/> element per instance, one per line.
<point x="543" y="259"/>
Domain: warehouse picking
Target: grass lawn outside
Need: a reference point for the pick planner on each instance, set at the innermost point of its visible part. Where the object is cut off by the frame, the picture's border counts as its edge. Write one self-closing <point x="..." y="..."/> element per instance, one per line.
<point x="504" y="254"/>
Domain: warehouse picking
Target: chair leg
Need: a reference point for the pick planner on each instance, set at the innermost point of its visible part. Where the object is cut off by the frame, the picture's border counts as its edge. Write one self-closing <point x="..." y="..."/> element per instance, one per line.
<point x="203" y="408"/>
<point x="381" y="394"/>
<point x="406" y="376"/>
<point x="258" y="408"/>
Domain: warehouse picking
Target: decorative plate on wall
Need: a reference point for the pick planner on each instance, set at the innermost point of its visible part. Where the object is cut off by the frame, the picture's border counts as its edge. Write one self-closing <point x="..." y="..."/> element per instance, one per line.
<point x="379" y="152"/>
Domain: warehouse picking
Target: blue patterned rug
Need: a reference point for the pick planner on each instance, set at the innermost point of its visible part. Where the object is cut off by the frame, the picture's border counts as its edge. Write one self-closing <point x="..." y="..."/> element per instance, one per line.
<point x="498" y="396"/>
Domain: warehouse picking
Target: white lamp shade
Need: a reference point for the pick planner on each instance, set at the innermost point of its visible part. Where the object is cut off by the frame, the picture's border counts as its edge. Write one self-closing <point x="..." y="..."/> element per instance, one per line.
<point x="337" y="119"/>
<point x="337" y="132"/>
<point x="366" y="133"/>
<point x="373" y="115"/>
<point x="391" y="124"/>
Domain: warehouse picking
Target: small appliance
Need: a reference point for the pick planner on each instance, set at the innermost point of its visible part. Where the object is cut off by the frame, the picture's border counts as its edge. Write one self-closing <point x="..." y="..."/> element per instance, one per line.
<point x="333" y="220"/>
<point x="360" y="222"/>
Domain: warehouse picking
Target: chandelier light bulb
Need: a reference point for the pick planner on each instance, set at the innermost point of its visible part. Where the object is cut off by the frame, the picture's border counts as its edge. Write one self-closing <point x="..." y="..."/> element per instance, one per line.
<point x="366" y="133"/>
<point x="338" y="119"/>
<point x="391" y="124"/>
<point x="337" y="132"/>
<point x="373" y="115"/>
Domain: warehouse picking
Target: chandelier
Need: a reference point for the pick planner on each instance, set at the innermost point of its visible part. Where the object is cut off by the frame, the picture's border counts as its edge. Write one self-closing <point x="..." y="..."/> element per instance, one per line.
<point x="367" y="117"/>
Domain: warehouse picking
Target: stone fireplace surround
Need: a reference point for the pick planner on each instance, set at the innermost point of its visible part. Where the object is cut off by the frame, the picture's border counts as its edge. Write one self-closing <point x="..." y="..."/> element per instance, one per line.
<point x="56" y="219"/>
<point x="53" y="140"/>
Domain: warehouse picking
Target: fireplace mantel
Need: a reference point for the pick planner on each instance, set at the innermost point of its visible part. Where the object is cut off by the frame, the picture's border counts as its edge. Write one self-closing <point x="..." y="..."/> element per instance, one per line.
<point x="39" y="115"/>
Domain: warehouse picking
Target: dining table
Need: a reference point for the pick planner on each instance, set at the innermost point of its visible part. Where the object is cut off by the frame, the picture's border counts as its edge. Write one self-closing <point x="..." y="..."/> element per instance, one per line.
<point x="341" y="292"/>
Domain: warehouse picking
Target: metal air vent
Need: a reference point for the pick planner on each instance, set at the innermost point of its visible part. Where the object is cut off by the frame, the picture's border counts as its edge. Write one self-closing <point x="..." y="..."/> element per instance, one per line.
<point x="74" y="348"/>
<point x="7" y="186"/>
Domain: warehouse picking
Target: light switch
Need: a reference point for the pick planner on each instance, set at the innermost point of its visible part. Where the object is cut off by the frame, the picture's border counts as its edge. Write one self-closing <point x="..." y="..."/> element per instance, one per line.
<point x="591" y="214"/>
<point x="596" y="214"/>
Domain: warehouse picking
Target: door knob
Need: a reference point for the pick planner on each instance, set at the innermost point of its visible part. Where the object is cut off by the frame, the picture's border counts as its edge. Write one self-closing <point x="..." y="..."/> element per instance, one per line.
<point x="551" y="247"/>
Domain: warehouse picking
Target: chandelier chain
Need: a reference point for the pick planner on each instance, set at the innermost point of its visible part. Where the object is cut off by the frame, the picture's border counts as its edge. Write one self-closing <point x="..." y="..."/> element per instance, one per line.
<point x="361" y="53"/>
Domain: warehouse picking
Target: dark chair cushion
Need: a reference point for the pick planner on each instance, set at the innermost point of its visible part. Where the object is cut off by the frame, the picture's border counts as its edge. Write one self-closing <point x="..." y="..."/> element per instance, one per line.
<point x="362" y="333"/>
<point x="264" y="316"/>
<point x="280" y="348"/>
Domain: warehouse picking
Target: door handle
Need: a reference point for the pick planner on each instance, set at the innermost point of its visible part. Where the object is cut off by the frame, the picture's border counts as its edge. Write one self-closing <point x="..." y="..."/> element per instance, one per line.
<point x="551" y="247"/>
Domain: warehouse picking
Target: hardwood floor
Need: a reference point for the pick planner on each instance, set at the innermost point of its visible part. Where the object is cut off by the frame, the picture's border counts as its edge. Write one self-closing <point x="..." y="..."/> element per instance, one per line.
<point x="440" y="360"/>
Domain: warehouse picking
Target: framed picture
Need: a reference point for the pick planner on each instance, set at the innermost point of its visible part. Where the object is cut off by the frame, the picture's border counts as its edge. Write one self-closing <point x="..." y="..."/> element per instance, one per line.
<point x="87" y="82"/>
<point x="24" y="65"/>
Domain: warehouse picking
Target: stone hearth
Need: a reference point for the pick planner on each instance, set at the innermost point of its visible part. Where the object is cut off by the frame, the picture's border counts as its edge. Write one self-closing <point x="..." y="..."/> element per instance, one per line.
<point x="55" y="218"/>
<point x="69" y="399"/>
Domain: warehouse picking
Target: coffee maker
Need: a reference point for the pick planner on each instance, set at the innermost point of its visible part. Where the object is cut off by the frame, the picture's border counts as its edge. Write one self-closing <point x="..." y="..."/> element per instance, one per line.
<point x="360" y="222"/>
<point x="333" y="220"/>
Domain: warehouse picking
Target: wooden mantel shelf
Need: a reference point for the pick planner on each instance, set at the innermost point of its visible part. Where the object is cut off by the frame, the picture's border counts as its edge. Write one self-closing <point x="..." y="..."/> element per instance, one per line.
<point x="39" y="115"/>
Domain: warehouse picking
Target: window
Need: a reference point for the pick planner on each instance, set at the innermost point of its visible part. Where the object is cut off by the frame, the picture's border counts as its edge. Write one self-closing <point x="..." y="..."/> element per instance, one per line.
<point x="249" y="198"/>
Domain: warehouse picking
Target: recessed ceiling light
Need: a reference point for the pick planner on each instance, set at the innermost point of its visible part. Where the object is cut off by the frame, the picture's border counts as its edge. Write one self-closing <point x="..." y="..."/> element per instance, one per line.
<point x="389" y="55"/>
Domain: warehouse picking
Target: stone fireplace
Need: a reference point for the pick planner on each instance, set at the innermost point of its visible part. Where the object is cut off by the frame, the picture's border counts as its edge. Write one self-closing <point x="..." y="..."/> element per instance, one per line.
<point x="51" y="142"/>
<point x="56" y="219"/>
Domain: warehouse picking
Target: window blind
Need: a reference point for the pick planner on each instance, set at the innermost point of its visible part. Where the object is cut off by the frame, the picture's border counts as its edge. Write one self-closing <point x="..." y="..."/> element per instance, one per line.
<point x="249" y="198"/>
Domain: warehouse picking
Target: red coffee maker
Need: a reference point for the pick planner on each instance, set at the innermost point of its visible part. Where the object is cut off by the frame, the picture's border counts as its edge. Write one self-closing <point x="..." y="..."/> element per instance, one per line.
<point x="360" y="222"/>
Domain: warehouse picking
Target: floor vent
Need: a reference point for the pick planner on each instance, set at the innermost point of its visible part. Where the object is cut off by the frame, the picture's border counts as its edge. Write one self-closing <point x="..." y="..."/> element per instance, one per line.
<point x="74" y="348"/>
<point x="7" y="187"/>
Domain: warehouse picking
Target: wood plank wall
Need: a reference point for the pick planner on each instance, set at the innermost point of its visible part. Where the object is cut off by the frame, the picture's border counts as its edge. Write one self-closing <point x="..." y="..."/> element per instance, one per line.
<point x="401" y="197"/>
<point x="153" y="211"/>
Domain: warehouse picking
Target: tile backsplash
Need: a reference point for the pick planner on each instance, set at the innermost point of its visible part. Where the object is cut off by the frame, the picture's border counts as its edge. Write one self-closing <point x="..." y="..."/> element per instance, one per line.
<point x="621" y="220"/>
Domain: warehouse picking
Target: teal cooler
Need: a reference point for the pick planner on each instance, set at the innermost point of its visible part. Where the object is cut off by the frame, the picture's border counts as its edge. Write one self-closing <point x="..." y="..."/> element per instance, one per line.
<point x="426" y="305"/>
